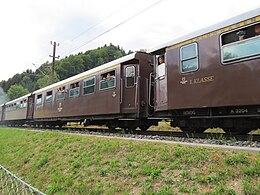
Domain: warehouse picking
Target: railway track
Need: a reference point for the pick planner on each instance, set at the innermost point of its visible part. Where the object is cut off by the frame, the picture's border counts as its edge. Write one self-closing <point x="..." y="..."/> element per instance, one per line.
<point x="167" y="133"/>
<point x="250" y="142"/>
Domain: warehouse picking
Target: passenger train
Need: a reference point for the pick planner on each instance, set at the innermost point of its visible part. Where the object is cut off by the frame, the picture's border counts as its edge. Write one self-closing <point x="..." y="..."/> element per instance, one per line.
<point x="209" y="78"/>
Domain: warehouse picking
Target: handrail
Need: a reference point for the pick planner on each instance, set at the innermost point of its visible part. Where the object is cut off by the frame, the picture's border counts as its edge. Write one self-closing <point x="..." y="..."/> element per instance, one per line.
<point x="136" y="89"/>
<point x="150" y="90"/>
<point x="121" y="90"/>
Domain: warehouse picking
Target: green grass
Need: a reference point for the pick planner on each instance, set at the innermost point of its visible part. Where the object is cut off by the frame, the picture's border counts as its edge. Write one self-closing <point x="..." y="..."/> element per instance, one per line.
<point x="58" y="163"/>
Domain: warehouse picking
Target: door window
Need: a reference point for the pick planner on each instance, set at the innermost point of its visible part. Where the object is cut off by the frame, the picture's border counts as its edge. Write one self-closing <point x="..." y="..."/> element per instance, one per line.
<point x="130" y="76"/>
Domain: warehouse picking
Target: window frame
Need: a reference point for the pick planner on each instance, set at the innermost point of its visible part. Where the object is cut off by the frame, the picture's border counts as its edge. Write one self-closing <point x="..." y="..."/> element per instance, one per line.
<point x="25" y="103"/>
<point x="83" y="85"/>
<point x="194" y="57"/>
<point x="64" y="93"/>
<point x="38" y="104"/>
<point x="108" y="88"/>
<point x="233" y="43"/>
<point x="130" y="66"/>
<point x="74" y="96"/>
<point x="51" y="99"/>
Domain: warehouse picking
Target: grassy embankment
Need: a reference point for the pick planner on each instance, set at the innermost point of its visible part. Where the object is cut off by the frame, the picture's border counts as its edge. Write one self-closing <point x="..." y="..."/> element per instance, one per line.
<point x="57" y="163"/>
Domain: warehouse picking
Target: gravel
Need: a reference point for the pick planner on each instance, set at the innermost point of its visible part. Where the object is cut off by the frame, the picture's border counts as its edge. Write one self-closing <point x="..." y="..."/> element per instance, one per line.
<point x="219" y="141"/>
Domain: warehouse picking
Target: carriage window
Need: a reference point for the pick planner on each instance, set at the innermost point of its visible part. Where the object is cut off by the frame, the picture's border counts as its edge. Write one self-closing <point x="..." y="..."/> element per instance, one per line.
<point x="130" y="76"/>
<point x="189" y="58"/>
<point x="74" y="89"/>
<point x="89" y="86"/>
<point x="48" y="98"/>
<point x="39" y="99"/>
<point x="25" y="103"/>
<point x="241" y="44"/>
<point x="61" y="93"/>
<point x="107" y="80"/>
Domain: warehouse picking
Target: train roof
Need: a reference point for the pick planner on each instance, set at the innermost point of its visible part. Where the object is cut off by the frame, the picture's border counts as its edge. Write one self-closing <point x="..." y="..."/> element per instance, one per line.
<point x="88" y="72"/>
<point x="236" y="19"/>
<point x="18" y="99"/>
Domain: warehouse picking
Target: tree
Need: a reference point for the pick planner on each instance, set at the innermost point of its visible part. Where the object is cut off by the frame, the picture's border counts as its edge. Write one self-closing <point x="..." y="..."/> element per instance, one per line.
<point x="45" y="81"/>
<point x="64" y="68"/>
<point x="3" y="97"/>
<point x="16" y="91"/>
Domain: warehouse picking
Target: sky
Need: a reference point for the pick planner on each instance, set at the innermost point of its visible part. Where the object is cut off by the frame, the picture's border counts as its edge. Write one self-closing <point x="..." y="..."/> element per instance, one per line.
<point x="29" y="26"/>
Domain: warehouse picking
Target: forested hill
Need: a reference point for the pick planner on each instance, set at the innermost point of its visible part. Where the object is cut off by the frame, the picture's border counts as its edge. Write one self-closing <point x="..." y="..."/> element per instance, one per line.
<point x="28" y="81"/>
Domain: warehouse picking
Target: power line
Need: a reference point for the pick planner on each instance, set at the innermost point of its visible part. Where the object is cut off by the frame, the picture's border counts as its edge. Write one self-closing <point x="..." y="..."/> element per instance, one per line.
<point x="93" y="26"/>
<point x="101" y="21"/>
<point x="40" y="70"/>
<point x="121" y="23"/>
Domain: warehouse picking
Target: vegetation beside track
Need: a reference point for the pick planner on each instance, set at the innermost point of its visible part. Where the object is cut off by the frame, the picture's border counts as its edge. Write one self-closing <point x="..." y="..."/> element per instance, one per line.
<point x="58" y="163"/>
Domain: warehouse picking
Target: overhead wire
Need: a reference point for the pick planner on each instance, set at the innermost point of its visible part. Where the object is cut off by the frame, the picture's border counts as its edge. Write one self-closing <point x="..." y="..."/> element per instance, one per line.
<point x="105" y="32"/>
<point x="101" y="21"/>
<point x="93" y="26"/>
<point x="40" y="70"/>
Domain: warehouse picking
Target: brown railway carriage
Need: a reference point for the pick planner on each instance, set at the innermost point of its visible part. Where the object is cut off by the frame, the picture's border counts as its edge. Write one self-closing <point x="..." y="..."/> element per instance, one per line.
<point x="211" y="77"/>
<point x="113" y="94"/>
<point x="15" y="111"/>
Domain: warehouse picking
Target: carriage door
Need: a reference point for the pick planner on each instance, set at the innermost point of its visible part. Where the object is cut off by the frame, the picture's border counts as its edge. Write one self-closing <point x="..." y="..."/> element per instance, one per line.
<point x="161" y="86"/>
<point x="129" y="85"/>
<point x="30" y="107"/>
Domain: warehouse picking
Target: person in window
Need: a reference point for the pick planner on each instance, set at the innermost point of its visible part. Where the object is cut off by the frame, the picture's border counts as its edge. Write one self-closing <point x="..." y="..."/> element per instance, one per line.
<point x="110" y="77"/>
<point x="257" y="29"/>
<point x="161" y="59"/>
<point x="110" y="80"/>
<point x="241" y="34"/>
<point x="60" y="90"/>
<point x="161" y="67"/>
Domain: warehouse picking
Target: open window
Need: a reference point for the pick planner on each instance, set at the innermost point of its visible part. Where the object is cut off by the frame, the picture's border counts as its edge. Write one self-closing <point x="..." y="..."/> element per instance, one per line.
<point x="48" y="98"/>
<point x="189" y="58"/>
<point x="241" y="44"/>
<point x="160" y="68"/>
<point x="74" y="89"/>
<point x="107" y="80"/>
<point x="61" y="93"/>
<point x="89" y="86"/>
<point x="39" y="99"/>
<point x="130" y="76"/>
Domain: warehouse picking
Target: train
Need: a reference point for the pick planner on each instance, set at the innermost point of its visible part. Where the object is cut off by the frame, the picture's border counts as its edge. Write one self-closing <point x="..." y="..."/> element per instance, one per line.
<point x="206" y="79"/>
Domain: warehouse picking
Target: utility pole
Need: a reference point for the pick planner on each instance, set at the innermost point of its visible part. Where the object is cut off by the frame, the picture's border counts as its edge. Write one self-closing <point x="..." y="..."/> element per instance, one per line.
<point x="53" y="59"/>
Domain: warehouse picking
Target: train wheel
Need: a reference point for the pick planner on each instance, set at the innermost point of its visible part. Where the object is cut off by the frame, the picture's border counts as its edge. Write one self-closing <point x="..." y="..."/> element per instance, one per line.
<point x="111" y="127"/>
<point x="193" y="129"/>
<point x="144" y="127"/>
<point x="237" y="131"/>
<point x="131" y="129"/>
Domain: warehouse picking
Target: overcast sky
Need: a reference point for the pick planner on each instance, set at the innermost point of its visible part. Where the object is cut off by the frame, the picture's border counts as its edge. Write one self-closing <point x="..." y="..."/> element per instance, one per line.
<point x="28" y="26"/>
